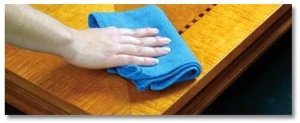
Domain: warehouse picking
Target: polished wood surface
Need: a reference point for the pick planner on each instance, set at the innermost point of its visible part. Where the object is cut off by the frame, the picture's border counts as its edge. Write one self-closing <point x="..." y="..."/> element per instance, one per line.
<point x="217" y="34"/>
<point x="277" y="25"/>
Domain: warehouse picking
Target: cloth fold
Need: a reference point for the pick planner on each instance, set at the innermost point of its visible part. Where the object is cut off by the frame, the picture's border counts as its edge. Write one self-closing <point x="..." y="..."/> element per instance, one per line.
<point x="179" y="65"/>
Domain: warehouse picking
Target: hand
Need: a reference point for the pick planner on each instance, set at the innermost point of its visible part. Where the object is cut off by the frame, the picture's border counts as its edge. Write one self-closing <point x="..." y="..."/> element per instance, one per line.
<point x="98" y="48"/>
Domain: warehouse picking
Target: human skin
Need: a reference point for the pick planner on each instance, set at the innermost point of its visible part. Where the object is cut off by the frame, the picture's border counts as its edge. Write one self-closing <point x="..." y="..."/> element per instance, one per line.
<point x="95" y="48"/>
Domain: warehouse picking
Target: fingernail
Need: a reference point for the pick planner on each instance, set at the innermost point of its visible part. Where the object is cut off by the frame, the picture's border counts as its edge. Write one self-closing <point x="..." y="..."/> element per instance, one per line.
<point x="154" y="30"/>
<point x="156" y="61"/>
<point x="167" y="40"/>
<point x="166" y="49"/>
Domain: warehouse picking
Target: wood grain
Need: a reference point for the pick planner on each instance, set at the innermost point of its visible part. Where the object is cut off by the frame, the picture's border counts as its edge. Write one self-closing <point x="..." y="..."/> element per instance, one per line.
<point x="179" y="17"/>
<point x="74" y="90"/>
<point x="241" y="63"/>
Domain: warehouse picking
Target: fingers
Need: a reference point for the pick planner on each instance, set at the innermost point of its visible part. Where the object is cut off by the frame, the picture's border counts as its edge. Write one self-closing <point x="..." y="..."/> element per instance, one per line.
<point x="148" y="41"/>
<point x="122" y="60"/>
<point x="143" y="32"/>
<point x="138" y="46"/>
<point x="142" y="50"/>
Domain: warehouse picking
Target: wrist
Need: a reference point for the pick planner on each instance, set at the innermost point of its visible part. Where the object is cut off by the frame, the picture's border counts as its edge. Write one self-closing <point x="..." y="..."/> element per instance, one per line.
<point x="63" y="48"/>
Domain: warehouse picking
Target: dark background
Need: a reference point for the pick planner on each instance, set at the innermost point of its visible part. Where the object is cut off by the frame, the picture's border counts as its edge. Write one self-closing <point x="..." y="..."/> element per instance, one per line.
<point x="265" y="88"/>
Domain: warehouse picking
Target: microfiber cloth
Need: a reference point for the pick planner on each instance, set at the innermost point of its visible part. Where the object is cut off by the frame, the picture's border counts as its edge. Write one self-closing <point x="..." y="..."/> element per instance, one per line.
<point x="179" y="65"/>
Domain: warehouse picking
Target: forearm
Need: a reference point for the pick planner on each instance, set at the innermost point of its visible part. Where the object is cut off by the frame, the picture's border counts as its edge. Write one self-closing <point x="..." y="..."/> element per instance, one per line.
<point x="28" y="28"/>
<point x="95" y="48"/>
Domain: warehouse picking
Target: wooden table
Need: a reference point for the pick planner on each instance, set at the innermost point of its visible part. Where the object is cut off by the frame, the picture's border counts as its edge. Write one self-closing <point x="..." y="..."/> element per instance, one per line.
<point x="225" y="38"/>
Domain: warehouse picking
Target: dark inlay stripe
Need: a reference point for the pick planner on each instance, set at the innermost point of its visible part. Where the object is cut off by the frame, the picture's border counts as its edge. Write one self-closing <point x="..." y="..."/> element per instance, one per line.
<point x="208" y="9"/>
<point x="195" y="20"/>
<point x="187" y="26"/>
<point x="201" y="15"/>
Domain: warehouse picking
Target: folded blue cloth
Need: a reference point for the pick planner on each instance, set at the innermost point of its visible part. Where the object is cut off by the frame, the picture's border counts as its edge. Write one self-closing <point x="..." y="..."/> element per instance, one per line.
<point x="178" y="66"/>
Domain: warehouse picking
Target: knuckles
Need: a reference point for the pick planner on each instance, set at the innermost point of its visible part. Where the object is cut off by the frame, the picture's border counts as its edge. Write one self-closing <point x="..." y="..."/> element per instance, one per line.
<point x="139" y="50"/>
<point x="130" y="59"/>
<point x="113" y="31"/>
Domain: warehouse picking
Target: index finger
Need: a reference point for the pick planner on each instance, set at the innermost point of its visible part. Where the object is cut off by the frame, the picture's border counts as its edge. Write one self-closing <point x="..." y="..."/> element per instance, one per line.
<point x="142" y="32"/>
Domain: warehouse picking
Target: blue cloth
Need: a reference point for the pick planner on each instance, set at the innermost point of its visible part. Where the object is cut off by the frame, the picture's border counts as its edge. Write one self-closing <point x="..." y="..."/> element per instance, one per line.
<point x="178" y="66"/>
